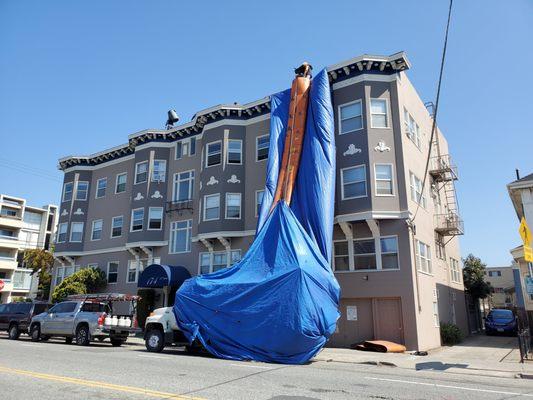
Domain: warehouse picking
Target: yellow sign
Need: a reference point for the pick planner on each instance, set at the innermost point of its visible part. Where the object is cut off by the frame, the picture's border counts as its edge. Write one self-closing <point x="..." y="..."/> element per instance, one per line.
<point x="525" y="233"/>
<point x="528" y="253"/>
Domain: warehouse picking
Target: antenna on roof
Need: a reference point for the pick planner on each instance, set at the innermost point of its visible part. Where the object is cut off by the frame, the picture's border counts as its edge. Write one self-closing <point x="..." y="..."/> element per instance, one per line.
<point x="172" y="118"/>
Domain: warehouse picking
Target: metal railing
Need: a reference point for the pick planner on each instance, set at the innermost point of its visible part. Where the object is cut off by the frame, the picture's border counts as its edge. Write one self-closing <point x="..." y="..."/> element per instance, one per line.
<point x="449" y="224"/>
<point x="442" y="168"/>
<point x="179" y="205"/>
<point x="524" y="344"/>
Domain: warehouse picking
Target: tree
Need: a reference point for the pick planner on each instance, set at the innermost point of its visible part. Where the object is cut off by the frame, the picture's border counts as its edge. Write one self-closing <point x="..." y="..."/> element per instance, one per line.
<point x="40" y="261"/>
<point x="86" y="280"/>
<point x="474" y="277"/>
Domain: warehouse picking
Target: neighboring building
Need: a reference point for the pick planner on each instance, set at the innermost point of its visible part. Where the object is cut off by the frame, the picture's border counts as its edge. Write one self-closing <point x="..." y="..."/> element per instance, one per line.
<point x="189" y="196"/>
<point x="502" y="281"/>
<point x="521" y="193"/>
<point x="22" y="227"/>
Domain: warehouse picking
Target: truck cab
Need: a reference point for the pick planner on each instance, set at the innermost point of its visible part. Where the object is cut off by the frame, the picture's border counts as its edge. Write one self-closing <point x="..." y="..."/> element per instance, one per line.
<point x="161" y="329"/>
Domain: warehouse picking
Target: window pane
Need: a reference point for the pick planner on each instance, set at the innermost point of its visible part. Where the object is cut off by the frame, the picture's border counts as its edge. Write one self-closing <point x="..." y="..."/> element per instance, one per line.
<point x="81" y="193"/>
<point x="364" y="246"/>
<point x="383" y="171"/>
<point x="378" y="106"/>
<point x="354" y="174"/>
<point x="389" y="245"/>
<point x="384" y="187"/>
<point x="341" y="248"/>
<point x="355" y="190"/>
<point x="352" y="110"/>
<point x="379" y="121"/>
<point x="342" y="263"/>
<point x="365" y="262"/>
<point x="351" y="124"/>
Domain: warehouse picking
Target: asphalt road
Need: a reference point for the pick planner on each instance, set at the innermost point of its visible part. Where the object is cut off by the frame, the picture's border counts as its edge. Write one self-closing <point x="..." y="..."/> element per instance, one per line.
<point x="55" y="370"/>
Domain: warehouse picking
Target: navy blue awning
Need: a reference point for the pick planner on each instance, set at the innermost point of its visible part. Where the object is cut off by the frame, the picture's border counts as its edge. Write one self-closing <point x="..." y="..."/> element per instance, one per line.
<point x="157" y="276"/>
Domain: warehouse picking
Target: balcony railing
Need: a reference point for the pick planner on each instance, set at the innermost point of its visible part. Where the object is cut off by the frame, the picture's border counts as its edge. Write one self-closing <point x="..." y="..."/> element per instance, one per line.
<point x="441" y="168"/>
<point x="179" y="206"/>
<point x="449" y="224"/>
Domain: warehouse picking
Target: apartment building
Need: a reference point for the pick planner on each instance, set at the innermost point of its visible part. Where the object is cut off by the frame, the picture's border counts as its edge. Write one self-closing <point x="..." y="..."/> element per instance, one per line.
<point x="189" y="196"/>
<point x="22" y="227"/>
<point x="502" y="281"/>
<point x="521" y="194"/>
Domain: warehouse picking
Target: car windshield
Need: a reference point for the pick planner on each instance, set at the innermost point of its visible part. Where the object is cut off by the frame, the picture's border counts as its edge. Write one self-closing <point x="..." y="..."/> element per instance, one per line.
<point x="501" y="314"/>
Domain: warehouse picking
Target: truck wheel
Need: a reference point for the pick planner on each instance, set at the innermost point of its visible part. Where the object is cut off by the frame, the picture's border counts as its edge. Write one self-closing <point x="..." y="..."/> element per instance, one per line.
<point x="68" y="340"/>
<point x="44" y="338"/>
<point x="116" y="342"/>
<point x="14" y="332"/>
<point x="155" y="342"/>
<point x="83" y="337"/>
<point x="35" y="333"/>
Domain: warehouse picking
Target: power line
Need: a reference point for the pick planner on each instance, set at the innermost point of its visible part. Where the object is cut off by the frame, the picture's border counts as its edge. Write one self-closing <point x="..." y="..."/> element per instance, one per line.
<point x="20" y="167"/>
<point x="434" y="125"/>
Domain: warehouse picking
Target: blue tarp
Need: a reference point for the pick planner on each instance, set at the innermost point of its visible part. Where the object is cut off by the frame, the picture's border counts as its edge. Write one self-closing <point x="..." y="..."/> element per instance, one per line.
<point x="280" y="302"/>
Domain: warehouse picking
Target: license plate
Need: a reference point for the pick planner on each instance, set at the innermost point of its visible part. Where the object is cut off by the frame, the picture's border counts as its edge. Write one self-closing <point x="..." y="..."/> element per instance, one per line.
<point x="500" y="329"/>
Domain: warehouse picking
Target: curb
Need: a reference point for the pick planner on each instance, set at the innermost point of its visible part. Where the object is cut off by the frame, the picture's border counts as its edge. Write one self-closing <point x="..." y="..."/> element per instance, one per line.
<point x="524" y="376"/>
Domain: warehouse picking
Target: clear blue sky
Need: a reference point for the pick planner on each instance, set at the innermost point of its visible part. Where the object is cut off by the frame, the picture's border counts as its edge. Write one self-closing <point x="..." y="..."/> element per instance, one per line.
<point x="78" y="77"/>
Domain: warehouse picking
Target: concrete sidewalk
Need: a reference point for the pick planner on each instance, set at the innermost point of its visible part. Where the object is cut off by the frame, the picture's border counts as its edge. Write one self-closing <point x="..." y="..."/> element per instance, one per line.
<point x="477" y="355"/>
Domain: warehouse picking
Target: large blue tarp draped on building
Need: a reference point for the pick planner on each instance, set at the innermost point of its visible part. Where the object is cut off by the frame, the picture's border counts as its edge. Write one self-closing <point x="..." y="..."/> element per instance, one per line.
<point x="280" y="302"/>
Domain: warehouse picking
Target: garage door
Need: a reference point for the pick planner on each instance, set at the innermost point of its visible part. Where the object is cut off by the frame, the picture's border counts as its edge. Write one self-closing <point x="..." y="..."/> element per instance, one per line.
<point x="389" y="320"/>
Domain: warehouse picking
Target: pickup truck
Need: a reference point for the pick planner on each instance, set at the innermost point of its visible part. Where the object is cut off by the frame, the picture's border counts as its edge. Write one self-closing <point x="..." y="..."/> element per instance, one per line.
<point x="79" y="318"/>
<point x="161" y="329"/>
<point x="15" y="317"/>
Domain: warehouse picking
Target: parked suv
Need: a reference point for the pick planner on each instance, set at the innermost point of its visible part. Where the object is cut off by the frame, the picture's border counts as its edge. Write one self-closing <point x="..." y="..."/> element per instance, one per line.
<point x="15" y="317"/>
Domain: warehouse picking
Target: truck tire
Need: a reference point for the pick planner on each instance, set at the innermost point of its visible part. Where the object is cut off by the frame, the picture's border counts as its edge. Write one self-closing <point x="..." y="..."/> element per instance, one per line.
<point x="154" y="341"/>
<point x="116" y="342"/>
<point x="35" y="333"/>
<point x="14" y="332"/>
<point x="83" y="336"/>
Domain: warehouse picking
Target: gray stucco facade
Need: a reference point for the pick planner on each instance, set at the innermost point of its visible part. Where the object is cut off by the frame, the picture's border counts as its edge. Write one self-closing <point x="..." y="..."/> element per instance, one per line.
<point x="395" y="284"/>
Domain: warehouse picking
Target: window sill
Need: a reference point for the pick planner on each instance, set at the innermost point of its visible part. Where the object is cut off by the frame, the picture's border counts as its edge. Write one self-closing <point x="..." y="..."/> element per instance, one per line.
<point x="426" y="273"/>
<point x="352" y="131"/>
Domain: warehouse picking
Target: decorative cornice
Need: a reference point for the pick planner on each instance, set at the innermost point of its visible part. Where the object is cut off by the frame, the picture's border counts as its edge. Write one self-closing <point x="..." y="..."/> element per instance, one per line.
<point x="237" y="113"/>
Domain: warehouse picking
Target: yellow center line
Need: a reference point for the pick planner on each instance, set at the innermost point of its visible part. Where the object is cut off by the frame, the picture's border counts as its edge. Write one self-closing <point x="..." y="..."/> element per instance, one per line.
<point x="98" y="384"/>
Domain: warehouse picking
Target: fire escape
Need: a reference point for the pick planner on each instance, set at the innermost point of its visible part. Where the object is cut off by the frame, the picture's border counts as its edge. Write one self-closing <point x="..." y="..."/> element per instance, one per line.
<point x="448" y="221"/>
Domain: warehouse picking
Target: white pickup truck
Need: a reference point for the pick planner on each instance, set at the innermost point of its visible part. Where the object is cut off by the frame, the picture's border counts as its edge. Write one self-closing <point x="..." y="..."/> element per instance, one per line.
<point x="161" y="329"/>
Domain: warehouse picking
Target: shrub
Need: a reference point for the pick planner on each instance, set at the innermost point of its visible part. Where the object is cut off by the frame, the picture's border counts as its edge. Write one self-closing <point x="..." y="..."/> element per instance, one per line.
<point x="450" y="334"/>
<point x="86" y="280"/>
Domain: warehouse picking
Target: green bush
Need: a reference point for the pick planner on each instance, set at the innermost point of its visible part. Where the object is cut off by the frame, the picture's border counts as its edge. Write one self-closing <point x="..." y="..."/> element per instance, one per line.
<point x="450" y="334"/>
<point x="86" y="280"/>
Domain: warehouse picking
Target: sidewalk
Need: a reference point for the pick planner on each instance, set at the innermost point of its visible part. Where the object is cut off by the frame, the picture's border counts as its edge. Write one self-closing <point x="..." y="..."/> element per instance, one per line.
<point x="477" y="355"/>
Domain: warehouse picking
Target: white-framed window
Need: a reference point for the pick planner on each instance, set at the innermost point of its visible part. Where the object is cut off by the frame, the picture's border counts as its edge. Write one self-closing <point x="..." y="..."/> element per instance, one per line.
<point x="384" y="182"/>
<point x="440" y="248"/>
<point x="132" y="272"/>
<point x="262" y="144"/>
<point x="82" y="190"/>
<point x="417" y="195"/>
<point x="353" y="182"/>
<point x="67" y="191"/>
<point x="62" y="232"/>
<point x="455" y="270"/>
<point x="101" y="186"/>
<point x="234" y="151"/>
<point x="212" y="207"/>
<point x="389" y="252"/>
<point x="213" y="153"/>
<point x="258" y="200"/>
<point x="365" y="256"/>
<point x="120" y="184"/>
<point x="350" y="117"/>
<point x="185" y="147"/>
<point x="436" y="314"/>
<point x="159" y="168"/>
<point x="423" y="257"/>
<point x="59" y="275"/>
<point x="180" y="236"/>
<point x="76" y="232"/>
<point x="112" y="272"/>
<point x="137" y="219"/>
<point x="141" y="172"/>
<point x="378" y="113"/>
<point x="155" y="218"/>
<point x="217" y="260"/>
<point x="183" y="186"/>
<point x="116" y="226"/>
<point x="233" y="206"/>
<point x="411" y="128"/>
<point x="96" y="229"/>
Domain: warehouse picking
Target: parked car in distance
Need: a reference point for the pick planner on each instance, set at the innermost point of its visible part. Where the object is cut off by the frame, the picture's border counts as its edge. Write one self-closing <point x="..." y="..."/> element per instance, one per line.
<point x="15" y="317"/>
<point x="501" y="321"/>
<point x="83" y="318"/>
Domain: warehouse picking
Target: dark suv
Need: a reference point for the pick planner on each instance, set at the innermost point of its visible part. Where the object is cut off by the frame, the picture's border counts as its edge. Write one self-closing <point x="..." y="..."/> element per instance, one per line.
<point x="15" y="317"/>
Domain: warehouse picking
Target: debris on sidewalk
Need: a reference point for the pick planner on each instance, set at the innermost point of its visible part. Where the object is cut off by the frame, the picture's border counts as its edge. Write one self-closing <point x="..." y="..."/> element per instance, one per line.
<point x="380" y="346"/>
